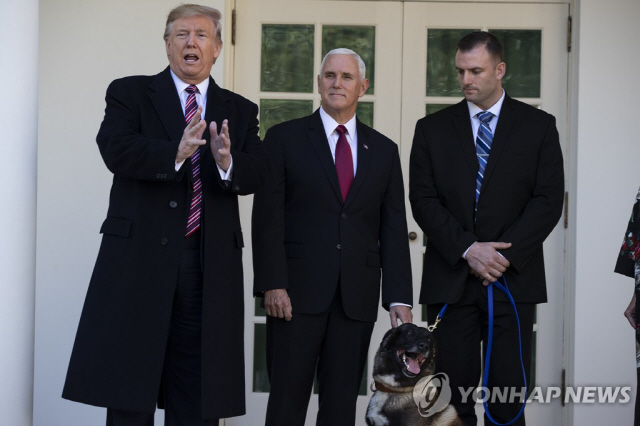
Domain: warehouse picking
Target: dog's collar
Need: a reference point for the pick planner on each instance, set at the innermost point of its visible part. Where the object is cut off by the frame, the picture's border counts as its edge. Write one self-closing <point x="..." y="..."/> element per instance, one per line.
<point x="383" y="388"/>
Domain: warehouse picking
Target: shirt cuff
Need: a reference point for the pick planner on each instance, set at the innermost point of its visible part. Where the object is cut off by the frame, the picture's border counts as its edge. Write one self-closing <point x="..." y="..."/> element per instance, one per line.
<point x="178" y="165"/>
<point x="229" y="173"/>
<point x="464" y="255"/>
<point x="391" y="305"/>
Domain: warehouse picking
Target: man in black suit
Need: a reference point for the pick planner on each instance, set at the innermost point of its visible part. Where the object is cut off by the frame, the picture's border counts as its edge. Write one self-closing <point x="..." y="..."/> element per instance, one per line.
<point x="481" y="226"/>
<point x="163" y="318"/>
<point x="320" y="240"/>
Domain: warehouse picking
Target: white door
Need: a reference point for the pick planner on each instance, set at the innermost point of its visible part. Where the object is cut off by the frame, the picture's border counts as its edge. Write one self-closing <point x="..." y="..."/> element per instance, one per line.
<point x="534" y="39"/>
<point x="279" y="46"/>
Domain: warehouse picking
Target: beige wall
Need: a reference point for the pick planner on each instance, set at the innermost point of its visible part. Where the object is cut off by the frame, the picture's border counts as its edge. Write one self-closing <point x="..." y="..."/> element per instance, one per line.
<point x="83" y="46"/>
<point x="607" y="173"/>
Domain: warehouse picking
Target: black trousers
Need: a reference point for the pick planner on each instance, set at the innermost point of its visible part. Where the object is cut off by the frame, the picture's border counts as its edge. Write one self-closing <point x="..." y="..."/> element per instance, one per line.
<point x="330" y="341"/>
<point x="459" y="337"/>
<point x="181" y="378"/>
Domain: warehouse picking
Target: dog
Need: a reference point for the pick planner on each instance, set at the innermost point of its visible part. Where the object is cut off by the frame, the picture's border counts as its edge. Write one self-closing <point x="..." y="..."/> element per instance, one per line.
<point x="407" y="355"/>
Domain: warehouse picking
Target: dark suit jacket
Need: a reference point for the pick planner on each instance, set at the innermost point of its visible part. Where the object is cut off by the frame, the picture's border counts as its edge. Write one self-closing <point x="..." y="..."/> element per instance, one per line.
<point x="520" y="200"/>
<point x="306" y="240"/>
<point x="120" y="346"/>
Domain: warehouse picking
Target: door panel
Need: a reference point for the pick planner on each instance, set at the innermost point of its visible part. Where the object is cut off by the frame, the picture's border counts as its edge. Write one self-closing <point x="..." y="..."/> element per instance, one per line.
<point x="409" y="50"/>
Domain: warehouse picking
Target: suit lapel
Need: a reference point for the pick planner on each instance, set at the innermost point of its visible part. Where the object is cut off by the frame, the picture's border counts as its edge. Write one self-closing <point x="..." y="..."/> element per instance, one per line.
<point x="364" y="158"/>
<point x="318" y="140"/>
<point x="506" y="120"/>
<point x="165" y="100"/>
<point x="218" y="109"/>
<point x="462" y="124"/>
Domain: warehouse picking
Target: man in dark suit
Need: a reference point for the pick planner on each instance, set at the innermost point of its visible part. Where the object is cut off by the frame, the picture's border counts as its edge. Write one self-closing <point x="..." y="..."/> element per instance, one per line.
<point x="163" y="317"/>
<point x="484" y="219"/>
<point x="320" y="239"/>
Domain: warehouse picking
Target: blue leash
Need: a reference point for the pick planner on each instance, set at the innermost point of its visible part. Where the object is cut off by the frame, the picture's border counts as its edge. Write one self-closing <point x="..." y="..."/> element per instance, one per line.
<point x="487" y="359"/>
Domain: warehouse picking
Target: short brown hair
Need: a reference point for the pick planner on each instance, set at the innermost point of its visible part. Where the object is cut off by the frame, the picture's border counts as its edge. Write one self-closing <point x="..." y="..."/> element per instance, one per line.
<point x="480" y="38"/>
<point x="189" y="10"/>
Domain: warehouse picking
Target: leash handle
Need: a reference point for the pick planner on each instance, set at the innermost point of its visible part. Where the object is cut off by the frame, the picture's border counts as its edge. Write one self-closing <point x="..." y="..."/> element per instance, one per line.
<point x="487" y="359"/>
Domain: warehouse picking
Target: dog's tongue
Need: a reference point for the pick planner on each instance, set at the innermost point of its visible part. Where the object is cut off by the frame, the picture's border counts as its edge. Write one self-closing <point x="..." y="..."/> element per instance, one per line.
<point x="414" y="367"/>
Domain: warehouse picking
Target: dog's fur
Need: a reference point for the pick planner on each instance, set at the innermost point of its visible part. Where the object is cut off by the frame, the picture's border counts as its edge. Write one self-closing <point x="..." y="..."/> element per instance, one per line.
<point x="406" y="354"/>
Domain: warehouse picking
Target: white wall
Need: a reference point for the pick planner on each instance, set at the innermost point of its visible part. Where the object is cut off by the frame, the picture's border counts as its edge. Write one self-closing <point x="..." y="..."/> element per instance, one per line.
<point x="608" y="176"/>
<point x="83" y="46"/>
<point x="18" y="118"/>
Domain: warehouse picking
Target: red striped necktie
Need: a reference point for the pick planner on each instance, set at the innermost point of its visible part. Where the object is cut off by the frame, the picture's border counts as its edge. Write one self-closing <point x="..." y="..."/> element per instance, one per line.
<point x="196" y="199"/>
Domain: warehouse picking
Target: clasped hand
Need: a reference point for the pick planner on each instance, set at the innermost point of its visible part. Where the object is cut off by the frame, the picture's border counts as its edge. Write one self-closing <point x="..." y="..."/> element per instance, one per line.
<point x="192" y="139"/>
<point x="486" y="262"/>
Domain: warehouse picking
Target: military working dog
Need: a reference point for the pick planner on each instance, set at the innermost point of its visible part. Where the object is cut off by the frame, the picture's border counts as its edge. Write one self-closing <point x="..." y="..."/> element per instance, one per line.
<point x="407" y="355"/>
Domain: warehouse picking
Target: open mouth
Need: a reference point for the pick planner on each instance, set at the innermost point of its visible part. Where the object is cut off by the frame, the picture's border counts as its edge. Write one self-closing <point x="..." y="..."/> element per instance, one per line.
<point x="190" y="59"/>
<point x="412" y="362"/>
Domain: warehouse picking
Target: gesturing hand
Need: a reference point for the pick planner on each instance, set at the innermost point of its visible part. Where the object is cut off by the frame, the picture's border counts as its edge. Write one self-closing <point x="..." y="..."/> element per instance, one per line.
<point x="221" y="145"/>
<point x="191" y="137"/>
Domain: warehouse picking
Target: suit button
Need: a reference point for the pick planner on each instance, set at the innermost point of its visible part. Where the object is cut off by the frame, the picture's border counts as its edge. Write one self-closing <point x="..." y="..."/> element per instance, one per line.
<point x="164" y="241"/>
<point x="344" y="215"/>
<point x="338" y="247"/>
<point x="173" y="204"/>
<point x="237" y="188"/>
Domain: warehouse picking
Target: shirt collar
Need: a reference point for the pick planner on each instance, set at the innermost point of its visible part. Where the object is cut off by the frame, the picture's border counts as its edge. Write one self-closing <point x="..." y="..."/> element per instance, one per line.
<point x="495" y="109"/>
<point x="181" y="85"/>
<point x="330" y="124"/>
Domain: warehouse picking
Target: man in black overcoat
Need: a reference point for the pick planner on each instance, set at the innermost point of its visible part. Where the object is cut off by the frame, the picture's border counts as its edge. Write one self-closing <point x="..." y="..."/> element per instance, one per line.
<point x="163" y="317"/>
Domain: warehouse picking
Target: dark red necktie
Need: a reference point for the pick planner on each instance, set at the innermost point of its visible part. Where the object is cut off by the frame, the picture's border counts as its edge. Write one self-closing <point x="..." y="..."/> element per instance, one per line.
<point x="196" y="199"/>
<point x="344" y="162"/>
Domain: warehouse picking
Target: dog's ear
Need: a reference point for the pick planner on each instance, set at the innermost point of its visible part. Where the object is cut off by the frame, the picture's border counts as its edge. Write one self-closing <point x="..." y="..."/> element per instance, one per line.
<point x="384" y="345"/>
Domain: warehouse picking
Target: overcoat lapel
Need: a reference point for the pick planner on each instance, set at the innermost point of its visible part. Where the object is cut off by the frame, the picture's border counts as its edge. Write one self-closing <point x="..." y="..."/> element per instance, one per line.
<point x="165" y="100"/>
<point x="462" y="123"/>
<point x="218" y="109"/>
<point x="318" y="140"/>
<point x="364" y="158"/>
<point x="508" y="115"/>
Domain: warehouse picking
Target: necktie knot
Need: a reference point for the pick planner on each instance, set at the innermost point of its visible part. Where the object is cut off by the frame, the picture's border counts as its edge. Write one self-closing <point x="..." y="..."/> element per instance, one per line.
<point x="485" y="117"/>
<point x="191" y="89"/>
<point x="341" y="129"/>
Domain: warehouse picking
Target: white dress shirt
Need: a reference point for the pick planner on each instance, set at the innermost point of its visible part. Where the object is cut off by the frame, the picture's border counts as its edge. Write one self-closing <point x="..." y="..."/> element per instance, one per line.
<point x="332" y="136"/>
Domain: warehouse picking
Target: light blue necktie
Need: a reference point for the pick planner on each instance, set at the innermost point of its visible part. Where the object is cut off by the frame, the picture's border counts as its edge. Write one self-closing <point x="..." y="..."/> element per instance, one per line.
<point x="483" y="148"/>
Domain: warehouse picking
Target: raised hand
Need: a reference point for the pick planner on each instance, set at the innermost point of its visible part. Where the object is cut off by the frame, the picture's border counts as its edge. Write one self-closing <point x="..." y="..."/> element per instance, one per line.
<point x="221" y="145"/>
<point x="191" y="137"/>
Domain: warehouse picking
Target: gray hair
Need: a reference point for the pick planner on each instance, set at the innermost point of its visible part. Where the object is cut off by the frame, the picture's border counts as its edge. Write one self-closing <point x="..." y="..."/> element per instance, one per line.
<point x="189" y="10"/>
<point x="343" y="51"/>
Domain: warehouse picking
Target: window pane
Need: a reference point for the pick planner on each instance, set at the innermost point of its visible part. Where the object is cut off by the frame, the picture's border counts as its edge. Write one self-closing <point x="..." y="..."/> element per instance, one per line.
<point x="441" y="64"/>
<point x="522" y="54"/>
<point x="275" y="111"/>
<point x="361" y="40"/>
<point x="259" y="311"/>
<point x="260" y="377"/>
<point x="430" y="109"/>
<point x="364" y="111"/>
<point x="287" y="58"/>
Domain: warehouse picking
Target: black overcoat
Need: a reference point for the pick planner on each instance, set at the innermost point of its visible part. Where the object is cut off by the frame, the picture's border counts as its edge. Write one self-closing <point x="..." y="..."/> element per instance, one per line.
<point x="120" y="345"/>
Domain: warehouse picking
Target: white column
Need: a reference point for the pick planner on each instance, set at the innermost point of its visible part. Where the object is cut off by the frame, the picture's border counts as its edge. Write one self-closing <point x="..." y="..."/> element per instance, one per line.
<point x="18" y="148"/>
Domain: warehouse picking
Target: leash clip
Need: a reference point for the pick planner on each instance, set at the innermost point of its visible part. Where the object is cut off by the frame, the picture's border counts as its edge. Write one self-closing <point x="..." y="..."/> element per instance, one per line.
<point x="433" y="326"/>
